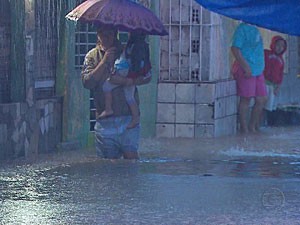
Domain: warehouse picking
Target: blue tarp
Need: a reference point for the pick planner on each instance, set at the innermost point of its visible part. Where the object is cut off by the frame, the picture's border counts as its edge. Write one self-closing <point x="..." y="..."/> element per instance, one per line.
<point x="277" y="15"/>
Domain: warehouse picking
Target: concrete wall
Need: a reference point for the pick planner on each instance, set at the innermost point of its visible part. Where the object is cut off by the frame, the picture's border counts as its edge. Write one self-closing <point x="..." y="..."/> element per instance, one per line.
<point x="31" y="122"/>
<point x="28" y="129"/>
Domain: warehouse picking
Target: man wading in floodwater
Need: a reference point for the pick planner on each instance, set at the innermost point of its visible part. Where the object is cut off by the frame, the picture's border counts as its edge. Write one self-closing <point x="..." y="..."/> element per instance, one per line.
<point x="112" y="138"/>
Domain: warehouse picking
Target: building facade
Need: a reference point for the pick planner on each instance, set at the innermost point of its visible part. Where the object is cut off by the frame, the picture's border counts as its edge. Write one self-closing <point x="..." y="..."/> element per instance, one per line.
<point x="196" y="96"/>
<point x="30" y="109"/>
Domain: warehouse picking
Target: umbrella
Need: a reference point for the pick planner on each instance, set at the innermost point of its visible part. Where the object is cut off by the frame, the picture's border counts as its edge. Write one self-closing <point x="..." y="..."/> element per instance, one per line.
<point x="282" y="16"/>
<point x="124" y="15"/>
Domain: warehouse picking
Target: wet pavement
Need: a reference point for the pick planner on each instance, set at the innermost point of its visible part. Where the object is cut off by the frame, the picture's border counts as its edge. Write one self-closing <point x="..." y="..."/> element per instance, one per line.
<point x="230" y="180"/>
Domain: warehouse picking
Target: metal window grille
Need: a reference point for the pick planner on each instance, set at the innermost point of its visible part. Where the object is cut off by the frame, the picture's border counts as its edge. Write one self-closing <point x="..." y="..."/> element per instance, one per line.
<point x="185" y="54"/>
<point x="92" y="112"/>
<point x="85" y="40"/>
<point x="5" y="34"/>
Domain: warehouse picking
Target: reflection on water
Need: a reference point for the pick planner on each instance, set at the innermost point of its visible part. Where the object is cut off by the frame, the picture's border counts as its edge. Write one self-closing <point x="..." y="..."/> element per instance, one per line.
<point x="224" y="190"/>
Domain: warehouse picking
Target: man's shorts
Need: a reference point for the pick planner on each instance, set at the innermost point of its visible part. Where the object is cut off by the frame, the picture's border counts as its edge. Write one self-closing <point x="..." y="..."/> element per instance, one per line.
<point x="251" y="86"/>
<point x="112" y="138"/>
<point x="248" y="86"/>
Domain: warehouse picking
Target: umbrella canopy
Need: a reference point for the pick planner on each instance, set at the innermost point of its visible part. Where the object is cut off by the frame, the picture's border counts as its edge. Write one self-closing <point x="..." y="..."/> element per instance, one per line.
<point x="282" y="16"/>
<point x="124" y="15"/>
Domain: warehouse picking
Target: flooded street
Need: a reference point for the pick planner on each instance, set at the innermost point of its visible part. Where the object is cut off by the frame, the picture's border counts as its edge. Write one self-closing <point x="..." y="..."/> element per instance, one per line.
<point x="232" y="180"/>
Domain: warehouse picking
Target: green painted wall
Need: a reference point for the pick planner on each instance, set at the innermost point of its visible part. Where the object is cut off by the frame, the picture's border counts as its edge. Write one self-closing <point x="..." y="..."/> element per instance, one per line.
<point x="76" y="98"/>
<point x="148" y="93"/>
<point x="17" y="50"/>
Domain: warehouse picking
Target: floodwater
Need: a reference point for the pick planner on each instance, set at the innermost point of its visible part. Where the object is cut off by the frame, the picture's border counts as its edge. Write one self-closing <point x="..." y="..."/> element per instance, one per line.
<point x="236" y="180"/>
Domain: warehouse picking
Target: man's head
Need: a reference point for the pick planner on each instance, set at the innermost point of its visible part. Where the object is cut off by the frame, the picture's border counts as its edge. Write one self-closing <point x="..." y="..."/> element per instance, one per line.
<point x="106" y="37"/>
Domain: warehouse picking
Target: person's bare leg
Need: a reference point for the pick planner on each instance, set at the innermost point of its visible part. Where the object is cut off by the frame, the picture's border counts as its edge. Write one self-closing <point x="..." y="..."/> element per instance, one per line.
<point x="262" y="119"/>
<point x="108" y="105"/>
<point x="256" y="113"/>
<point x="135" y="115"/>
<point x="243" y="114"/>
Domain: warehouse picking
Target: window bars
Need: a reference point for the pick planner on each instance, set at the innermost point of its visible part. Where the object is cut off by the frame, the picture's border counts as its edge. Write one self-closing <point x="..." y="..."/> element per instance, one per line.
<point x="185" y="54"/>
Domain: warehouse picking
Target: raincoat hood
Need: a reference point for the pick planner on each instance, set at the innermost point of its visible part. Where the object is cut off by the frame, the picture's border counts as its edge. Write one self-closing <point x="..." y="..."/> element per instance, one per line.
<point x="273" y="43"/>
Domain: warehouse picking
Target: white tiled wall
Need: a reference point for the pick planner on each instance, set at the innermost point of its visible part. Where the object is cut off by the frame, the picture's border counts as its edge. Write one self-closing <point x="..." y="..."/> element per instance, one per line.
<point x="185" y="113"/>
<point x="166" y="113"/>
<point x="185" y="130"/>
<point x="196" y="109"/>
<point x="166" y="92"/>
<point x="165" y="130"/>
<point x="185" y="93"/>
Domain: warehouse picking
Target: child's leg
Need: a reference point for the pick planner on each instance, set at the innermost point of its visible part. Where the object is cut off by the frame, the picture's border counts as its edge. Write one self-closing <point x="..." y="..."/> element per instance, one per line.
<point x="129" y="94"/>
<point x="108" y="105"/>
<point x="107" y="88"/>
<point x="135" y="115"/>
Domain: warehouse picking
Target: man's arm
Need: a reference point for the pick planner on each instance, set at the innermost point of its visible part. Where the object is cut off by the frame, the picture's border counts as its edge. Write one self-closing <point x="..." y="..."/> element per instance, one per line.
<point x="241" y="60"/>
<point x="92" y="76"/>
<point x="124" y="81"/>
<point x="141" y="80"/>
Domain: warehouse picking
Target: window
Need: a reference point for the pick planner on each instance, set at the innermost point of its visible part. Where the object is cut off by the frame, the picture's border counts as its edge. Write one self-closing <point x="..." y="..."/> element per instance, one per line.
<point x="187" y="53"/>
<point x="85" y="40"/>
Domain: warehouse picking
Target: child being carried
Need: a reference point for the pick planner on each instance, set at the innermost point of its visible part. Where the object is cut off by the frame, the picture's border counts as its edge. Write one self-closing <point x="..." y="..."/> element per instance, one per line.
<point x="133" y="62"/>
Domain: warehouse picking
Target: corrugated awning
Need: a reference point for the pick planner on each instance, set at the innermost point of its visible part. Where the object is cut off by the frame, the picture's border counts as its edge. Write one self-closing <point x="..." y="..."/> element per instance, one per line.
<point x="277" y="15"/>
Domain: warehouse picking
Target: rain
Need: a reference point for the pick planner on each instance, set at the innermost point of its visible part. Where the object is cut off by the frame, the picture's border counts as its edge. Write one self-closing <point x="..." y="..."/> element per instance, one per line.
<point x="194" y="166"/>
